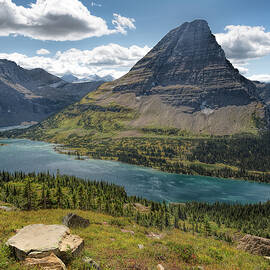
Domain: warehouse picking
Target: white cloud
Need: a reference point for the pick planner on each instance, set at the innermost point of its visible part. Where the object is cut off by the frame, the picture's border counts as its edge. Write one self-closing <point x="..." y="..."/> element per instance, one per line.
<point x="108" y="59"/>
<point x="260" y="77"/>
<point x="121" y="23"/>
<point x="57" y="20"/>
<point x="242" y="42"/>
<point x="94" y="4"/>
<point x="42" y="52"/>
<point x="243" y="70"/>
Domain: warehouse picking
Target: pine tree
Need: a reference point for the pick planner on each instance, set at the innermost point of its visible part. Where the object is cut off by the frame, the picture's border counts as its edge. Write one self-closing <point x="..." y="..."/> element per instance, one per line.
<point x="29" y="195"/>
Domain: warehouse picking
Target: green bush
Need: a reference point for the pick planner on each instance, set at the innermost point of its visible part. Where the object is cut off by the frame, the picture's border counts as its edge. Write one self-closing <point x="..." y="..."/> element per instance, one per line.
<point x="216" y="254"/>
<point x="185" y="252"/>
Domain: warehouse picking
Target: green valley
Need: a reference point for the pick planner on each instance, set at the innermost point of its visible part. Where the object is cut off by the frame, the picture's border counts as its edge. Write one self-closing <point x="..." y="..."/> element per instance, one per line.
<point x="103" y="132"/>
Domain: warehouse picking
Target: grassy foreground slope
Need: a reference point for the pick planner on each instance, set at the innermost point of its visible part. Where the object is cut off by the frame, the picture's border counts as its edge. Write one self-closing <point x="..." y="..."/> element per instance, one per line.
<point x="105" y="130"/>
<point x="189" y="235"/>
<point x="114" y="249"/>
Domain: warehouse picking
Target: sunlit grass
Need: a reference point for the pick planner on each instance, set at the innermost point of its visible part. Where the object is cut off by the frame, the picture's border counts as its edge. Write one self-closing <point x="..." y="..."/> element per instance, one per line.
<point x="114" y="249"/>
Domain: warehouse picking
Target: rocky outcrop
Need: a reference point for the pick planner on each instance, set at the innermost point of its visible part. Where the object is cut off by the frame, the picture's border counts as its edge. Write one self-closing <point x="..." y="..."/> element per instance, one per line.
<point x="255" y="245"/>
<point x="73" y="220"/>
<point x="39" y="241"/>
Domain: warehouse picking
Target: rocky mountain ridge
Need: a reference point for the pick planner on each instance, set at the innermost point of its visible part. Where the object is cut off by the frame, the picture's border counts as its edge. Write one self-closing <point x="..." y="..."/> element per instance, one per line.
<point x="33" y="95"/>
<point x="185" y="82"/>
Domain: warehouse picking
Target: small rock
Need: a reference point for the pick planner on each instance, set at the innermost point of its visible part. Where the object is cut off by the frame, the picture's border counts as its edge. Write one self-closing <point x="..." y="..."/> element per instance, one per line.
<point x="127" y="231"/>
<point x="160" y="267"/>
<point x="50" y="262"/>
<point x="8" y="208"/>
<point x="140" y="246"/>
<point x="73" y="220"/>
<point x="90" y="264"/>
<point x="154" y="235"/>
<point x="267" y="258"/>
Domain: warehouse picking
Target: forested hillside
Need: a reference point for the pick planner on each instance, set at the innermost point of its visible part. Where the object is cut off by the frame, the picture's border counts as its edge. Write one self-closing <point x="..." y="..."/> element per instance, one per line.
<point x="45" y="191"/>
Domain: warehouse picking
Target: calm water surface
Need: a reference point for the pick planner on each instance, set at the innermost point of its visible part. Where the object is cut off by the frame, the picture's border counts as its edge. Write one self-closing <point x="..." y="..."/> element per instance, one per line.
<point x="29" y="156"/>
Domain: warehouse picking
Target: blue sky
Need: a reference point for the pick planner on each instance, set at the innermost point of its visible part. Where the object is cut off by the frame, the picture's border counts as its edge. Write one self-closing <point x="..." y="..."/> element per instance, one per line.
<point x="79" y="37"/>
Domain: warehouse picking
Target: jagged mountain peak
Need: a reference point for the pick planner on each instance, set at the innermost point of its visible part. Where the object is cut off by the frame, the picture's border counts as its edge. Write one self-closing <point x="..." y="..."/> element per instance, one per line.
<point x="188" y="67"/>
<point x="69" y="77"/>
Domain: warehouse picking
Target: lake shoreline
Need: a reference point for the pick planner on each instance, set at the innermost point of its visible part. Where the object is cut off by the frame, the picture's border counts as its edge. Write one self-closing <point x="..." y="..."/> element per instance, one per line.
<point x="66" y="150"/>
<point x="137" y="180"/>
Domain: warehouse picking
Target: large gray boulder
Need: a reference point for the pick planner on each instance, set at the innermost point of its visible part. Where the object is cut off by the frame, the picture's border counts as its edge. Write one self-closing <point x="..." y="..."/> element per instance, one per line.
<point x="39" y="240"/>
<point x="73" y="221"/>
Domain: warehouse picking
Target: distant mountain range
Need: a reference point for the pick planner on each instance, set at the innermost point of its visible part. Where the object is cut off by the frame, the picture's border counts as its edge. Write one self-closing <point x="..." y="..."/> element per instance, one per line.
<point x="33" y="95"/>
<point x="91" y="78"/>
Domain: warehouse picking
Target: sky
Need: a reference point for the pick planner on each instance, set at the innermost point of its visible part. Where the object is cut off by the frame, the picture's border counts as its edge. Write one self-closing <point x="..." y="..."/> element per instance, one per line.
<point x="85" y="37"/>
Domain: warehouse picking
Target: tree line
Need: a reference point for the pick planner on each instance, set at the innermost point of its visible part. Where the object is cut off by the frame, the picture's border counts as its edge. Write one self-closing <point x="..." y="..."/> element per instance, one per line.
<point x="46" y="191"/>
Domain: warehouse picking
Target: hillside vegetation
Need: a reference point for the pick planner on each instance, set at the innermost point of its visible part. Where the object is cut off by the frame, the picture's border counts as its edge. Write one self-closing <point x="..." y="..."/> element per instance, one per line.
<point x="102" y="131"/>
<point x="179" y="236"/>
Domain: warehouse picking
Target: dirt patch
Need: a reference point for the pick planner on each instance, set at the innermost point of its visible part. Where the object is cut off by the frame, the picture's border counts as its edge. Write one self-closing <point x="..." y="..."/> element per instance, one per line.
<point x="129" y="133"/>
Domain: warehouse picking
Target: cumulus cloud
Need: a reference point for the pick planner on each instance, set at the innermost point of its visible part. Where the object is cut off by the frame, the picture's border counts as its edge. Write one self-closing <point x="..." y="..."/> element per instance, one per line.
<point x="242" y="42"/>
<point x="57" y="20"/>
<point x="111" y="59"/>
<point x="121" y="23"/>
<point x="260" y="77"/>
<point x="42" y="52"/>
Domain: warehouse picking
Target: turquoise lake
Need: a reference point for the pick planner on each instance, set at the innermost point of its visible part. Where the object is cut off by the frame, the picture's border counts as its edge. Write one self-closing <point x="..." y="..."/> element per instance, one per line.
<point x="29" y="156"/>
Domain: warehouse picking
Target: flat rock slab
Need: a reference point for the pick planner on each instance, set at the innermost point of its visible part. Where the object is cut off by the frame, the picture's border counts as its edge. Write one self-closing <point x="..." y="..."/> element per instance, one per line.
<point x="38" y="241"/>
<point x="50" y="262"/>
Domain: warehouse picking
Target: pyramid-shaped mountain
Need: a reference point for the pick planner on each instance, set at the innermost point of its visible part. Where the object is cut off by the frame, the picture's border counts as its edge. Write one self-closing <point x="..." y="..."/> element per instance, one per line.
<point x="189" y="67"/>
<point x="186" y="82"/>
